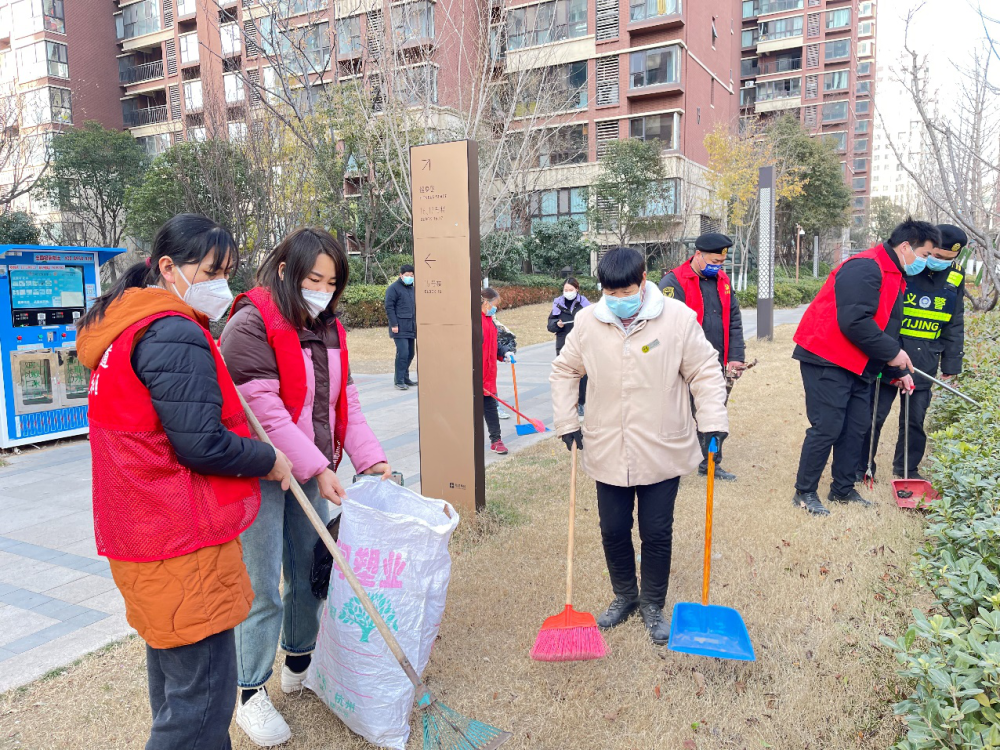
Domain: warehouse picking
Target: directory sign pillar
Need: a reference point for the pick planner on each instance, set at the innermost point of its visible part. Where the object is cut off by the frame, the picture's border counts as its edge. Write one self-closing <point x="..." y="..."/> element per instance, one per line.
<point x="765" y="255"/>
<point x="444" y="189"/>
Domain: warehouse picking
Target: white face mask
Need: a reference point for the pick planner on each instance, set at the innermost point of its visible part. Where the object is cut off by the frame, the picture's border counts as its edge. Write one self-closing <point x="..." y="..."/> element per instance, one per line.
<point x="569" y="296"/>
<point x="210" y="297"/>
<point x="316" y="302"/>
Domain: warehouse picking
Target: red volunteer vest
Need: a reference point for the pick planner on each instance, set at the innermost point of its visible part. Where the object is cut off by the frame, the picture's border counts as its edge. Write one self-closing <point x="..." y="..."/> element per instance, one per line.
<point x="819" y="333"/>
<point x="689" y="279"/>
<point x="284" y="340"/>
<point x="147" y="506"/>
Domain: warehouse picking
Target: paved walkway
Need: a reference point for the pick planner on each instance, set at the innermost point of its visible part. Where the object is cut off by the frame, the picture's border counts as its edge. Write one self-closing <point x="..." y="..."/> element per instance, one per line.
<point x="58" y="601"/>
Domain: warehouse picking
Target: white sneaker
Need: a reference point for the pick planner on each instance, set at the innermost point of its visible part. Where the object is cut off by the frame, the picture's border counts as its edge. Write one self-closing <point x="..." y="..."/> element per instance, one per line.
<point x="261" y="721"/>
<point x="291" y="682"/>
<point x="502" y="414"/>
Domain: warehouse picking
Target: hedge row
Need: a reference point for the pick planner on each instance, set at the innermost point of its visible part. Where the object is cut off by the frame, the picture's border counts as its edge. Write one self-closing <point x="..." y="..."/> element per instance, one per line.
<point x="786" y="293"/>
<point x="952" y="653"/>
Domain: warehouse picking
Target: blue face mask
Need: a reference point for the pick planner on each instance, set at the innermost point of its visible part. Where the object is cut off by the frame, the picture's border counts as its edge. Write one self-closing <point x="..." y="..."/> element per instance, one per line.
<point x="918" y="265"/>
<point x="712" y="269"/>
<point x="624" y="307"/>
<point x="936" y="264"/>
<point x="492" y="311"/>
<point x="408" y="280"/>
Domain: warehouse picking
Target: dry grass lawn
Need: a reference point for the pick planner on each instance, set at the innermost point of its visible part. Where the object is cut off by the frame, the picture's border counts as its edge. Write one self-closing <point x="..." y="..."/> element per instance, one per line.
<point x="816" y="594"/>
<point x="372" y="351"/>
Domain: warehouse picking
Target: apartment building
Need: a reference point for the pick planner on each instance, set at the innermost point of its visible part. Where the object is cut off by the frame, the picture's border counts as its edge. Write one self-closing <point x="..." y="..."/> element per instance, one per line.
<point x="815" y="59"/>
<point x="898" y="129"/>
<point x="57" y="69"/>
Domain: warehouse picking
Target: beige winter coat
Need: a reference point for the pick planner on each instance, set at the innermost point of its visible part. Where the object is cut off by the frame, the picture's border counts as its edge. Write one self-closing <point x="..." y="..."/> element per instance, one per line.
<point x="638" y="427"/>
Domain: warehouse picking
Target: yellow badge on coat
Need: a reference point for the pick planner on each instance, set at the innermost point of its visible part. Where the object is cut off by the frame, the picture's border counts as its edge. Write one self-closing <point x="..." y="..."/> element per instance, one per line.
<point x="668" y="291"/>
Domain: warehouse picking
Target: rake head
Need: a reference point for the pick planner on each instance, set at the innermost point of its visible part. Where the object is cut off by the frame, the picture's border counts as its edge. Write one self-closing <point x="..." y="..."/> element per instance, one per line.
<point x="869" y="480"/>
<point x="447" y="729"/>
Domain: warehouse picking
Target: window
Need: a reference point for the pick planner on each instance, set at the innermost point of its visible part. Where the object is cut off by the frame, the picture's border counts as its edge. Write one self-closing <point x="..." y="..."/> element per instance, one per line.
<point x="196" y="135"/>
<point x="860" y="145"/>
<point x="188" y="45"/>
<point x="154" y="144"/>
<point x="838" y="50"/>
<point x="565" y="145"/>
<point x="230" y="33"/>
<point x="640" y="10"/>
<point x="664" y="202"/>
<point x="30" y="16"/>
<point x="866" y="8"/>
<point x="654" y="67"/>
<point x="553" y="89"/>
<point x="192" y="96"/>
<point x="776" y="6"/>
<point x="781" y="89"/>
<point x="751" y="8"/>
<point x="748" y="37"/>
<point x="748" y="67"/>
<point x="859" y="183"/>
<point x="61" y="106"/>
<point x="839" y="140"/>
<point x="288" y="8"/>
<point x="836" y="81"/>
<point x="748" y="97"/>
<point x="233" y="84"/>
<point x="865" y="48"/>
<point x="781" y="28"/>
<point x="57" y="60"/>
<point x="864" y="69"/>
<point x="141" y="18"/>
<point x="413" y="21"/>
<point x="838" y="19"/>
<point x="863" y="88"/>
<point x="835" y="112"/>
<point x="715" y="34"/>
<point x="663" y="128"/>
<point x="186" y="8"/>
<point x="860" y="165"/>
<point x="548" y="206"/>
<point x="304" y="49"/>
<point x="236" y="131"/>
<point x="862" y="107"/>
<point x="349" y="35"/>
<point x="861" y="126"/>
<point x="866" y="28"/>
<point x="416" y="86"/>
<point x="546" y="22"/>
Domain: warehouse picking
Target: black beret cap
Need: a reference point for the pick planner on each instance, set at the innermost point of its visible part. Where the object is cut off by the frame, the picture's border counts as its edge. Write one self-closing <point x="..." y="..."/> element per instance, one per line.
<point x="953" y="238"/>
<point x="713" y="242"/>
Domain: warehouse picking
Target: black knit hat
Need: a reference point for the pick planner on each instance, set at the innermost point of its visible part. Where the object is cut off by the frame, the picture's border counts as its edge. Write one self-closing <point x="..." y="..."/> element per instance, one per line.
<point x="953" y="238"/>
<point x="713" y="242"/>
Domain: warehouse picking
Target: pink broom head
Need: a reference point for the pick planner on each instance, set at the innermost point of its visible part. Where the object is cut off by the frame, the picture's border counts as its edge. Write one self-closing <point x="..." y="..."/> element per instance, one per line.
<point x="569" y="636"/>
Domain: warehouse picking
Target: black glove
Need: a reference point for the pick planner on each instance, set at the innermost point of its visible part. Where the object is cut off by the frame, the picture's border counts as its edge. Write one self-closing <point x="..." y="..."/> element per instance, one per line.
<point x="719" y="437"/>
<point x="573" y="437"/>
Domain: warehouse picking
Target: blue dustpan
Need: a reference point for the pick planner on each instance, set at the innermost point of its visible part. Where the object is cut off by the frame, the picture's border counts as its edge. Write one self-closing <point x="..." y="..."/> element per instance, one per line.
<point x="708" y="629"/>
<point x="526" y="429"/>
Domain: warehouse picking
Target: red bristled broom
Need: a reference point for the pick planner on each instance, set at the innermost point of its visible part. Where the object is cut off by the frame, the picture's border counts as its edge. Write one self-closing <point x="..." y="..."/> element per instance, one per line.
<point x="570" y="635"/>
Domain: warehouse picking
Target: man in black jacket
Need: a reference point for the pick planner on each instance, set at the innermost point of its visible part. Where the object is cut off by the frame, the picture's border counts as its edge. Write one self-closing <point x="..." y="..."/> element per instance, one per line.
<point x="933" y="334"/>
<point x="400" y="306"/>
<point x="849" y="333"/>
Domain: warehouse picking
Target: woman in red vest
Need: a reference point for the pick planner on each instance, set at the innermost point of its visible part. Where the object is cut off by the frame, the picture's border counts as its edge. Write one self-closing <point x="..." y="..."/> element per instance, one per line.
<point x="288" y="355"/>
<point x="173" y="466"/>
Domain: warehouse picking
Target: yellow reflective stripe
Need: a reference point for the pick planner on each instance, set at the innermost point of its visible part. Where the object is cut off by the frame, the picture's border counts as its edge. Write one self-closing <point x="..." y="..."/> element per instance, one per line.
<point x="916" y="312"/>
<point x="919" y="334"/>
<point x="955" y="278"/>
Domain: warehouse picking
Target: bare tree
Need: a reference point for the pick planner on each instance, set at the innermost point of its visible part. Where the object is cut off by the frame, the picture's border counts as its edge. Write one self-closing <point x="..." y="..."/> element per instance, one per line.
<point x="962" y="179"/>
<point x="24" y="156"/>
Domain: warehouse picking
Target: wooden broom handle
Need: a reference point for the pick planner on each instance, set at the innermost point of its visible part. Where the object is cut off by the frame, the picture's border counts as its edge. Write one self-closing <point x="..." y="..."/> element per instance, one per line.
<point x="517" y="404"/>
<point x="708" y="528"/>
<point x="338" y="558"/>
<point x="572" y="521"/>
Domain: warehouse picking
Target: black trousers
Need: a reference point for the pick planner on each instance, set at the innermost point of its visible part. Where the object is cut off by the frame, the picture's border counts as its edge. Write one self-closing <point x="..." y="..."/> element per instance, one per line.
<point x="656" y="530"/>
<point x="192" y="691"/>
<point x="838" y="405"/>
<point x="405" y="349"/>
<point x="919" y="401"/>
<point x="582" y="398"/>
<point x="492" y="418"/>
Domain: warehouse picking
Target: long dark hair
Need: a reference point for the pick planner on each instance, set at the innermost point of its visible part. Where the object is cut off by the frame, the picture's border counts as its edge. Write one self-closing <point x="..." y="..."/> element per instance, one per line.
<point x="185" y="239"/>
<point x="298" y="251"/>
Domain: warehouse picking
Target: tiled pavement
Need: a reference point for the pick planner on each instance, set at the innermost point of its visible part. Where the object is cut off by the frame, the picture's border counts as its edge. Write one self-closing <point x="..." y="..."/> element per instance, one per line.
<point x="57" y="599"/>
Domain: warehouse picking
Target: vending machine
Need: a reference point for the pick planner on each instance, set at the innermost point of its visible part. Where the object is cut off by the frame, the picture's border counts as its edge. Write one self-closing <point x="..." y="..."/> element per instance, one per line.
<point x="43" y="293"/>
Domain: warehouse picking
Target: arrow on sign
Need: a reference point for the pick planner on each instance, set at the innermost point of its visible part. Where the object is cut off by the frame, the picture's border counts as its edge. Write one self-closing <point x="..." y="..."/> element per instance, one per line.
<point x="428" y="260"/>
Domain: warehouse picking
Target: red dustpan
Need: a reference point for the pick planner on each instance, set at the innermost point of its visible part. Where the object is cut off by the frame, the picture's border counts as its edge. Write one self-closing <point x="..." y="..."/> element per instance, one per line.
<point x="911" y="493"/>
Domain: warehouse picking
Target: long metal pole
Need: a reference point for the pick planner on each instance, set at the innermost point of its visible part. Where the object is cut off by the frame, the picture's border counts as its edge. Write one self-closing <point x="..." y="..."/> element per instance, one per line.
<point x="815" y="256"/>
<point x="765" y="255"/>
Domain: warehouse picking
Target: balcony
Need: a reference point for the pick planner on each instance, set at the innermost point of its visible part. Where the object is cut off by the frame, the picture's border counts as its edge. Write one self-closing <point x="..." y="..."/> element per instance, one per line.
<point x="784" y="65"/>
<point x="147" y="71"/>
<point x="148" y="116"/>
<point x="779" y="6"/>
<point x="774" y="105"/>
<point x="777" y="42"/>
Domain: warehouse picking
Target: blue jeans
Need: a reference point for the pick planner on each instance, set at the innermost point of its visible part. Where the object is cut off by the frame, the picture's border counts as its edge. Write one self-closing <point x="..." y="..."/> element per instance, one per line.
<point x="280" y="541"/>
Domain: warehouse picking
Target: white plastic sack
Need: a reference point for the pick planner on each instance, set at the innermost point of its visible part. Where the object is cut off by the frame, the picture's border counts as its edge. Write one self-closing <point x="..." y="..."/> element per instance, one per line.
<point x="396" y="542"/>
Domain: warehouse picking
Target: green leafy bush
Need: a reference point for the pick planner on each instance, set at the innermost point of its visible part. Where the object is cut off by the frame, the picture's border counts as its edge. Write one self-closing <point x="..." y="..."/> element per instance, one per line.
<point x="952" y="656"/>
<point x="553" y="246"/>
<point x="18" y="228"/>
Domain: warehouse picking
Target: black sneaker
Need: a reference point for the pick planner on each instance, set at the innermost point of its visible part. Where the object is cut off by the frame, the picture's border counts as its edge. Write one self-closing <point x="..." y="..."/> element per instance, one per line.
<point x="656" y="626"/>
<point x="810" y="502"/>
<point x="850" y="497"/>
<point x="617" y="612"/>
<point x="410" y="382"/>
<point x="720" y="473"/>
<point x="402" y="387"/>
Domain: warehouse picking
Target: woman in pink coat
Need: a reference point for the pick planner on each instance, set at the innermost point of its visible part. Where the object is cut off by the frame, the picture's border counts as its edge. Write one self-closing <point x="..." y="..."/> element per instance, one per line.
<point x="287" y="353"/>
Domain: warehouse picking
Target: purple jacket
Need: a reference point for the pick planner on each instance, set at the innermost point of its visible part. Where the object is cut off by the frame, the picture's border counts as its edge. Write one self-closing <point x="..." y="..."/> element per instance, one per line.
<point x="308" y="443"/>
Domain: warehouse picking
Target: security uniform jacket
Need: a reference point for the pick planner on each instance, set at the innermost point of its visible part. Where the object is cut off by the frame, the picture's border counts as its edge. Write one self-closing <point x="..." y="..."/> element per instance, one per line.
<point x="711" y="311"/>
<point x="933" y="327"/>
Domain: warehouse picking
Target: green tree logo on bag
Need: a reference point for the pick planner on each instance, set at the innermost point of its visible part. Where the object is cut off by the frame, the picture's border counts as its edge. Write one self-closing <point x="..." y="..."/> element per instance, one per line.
<point x="354" y="614"/>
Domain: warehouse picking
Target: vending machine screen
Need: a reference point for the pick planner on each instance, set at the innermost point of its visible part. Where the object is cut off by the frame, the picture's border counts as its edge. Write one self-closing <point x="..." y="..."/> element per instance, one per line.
<point x="46" y="288"/>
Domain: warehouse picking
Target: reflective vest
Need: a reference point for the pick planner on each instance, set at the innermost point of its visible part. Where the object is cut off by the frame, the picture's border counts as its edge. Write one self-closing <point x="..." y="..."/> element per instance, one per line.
<point x="689" y="281"/>
<point x="819" y="333"/>
<point x="926" y="313"/>
<point x="283" y="338"/>
<point x="147" y="506"/>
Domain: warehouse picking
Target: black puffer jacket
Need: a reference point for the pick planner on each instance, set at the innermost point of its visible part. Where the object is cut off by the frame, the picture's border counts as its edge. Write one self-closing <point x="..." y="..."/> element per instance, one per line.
<point x="400" y="306"/>
<point x="174" y="362"/>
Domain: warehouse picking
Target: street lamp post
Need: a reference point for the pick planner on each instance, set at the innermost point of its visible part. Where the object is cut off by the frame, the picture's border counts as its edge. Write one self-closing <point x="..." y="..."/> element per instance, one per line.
<point x="799" y="233"/>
